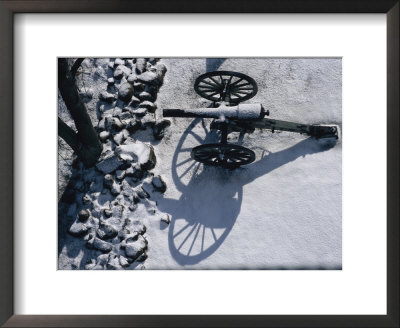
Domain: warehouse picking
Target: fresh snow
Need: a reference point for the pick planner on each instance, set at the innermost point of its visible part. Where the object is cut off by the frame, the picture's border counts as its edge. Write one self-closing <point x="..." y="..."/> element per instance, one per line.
<point x="242" y="111"/>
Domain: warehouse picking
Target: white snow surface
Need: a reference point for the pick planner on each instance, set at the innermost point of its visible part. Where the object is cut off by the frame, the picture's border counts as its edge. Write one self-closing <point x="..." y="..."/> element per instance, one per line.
<point x="283" y="211"/>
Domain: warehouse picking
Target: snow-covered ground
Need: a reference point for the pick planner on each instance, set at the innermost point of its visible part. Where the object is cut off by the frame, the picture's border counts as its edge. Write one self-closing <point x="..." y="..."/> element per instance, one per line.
<point x="282" y="211"/>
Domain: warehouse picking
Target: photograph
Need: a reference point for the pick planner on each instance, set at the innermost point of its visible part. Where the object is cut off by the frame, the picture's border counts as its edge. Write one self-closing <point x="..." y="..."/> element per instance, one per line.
<point x="198" y="163"/>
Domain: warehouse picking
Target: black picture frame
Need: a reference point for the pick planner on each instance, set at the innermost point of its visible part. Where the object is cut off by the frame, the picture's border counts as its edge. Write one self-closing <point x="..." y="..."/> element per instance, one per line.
<point x="10" y="7"/>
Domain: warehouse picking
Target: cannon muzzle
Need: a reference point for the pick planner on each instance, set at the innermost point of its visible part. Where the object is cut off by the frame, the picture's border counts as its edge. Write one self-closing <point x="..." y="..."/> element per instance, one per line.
<point x="239" y="112"/>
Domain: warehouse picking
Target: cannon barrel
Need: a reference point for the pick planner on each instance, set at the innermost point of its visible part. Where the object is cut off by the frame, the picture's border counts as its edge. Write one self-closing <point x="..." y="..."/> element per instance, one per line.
<point x="239" y="112"/>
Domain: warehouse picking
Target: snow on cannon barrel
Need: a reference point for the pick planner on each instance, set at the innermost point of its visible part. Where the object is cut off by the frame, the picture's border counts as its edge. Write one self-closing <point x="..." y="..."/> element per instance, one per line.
<point x="239" y="112"/>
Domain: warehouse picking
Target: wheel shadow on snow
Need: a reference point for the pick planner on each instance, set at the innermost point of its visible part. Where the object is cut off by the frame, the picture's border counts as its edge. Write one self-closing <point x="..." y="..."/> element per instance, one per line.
<point x="211" y="199"/>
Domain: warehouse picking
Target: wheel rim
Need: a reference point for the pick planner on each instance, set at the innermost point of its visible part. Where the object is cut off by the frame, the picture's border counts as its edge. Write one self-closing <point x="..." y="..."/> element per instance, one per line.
<point x="228" y="156"/>
<point x="232" y="87"/>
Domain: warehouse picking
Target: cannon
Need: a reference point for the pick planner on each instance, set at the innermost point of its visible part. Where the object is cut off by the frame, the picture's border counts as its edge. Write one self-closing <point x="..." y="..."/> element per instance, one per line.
<point x="227" y="90"/>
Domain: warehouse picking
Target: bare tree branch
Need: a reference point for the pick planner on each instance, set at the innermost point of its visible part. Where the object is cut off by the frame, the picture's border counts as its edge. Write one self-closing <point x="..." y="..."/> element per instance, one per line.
<point x="89" y="143"/>
<point x="69" y="135"/>
<point x="76" y="65"/>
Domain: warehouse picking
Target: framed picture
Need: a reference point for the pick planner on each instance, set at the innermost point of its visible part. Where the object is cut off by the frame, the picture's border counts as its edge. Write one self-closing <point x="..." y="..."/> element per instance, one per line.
<point x="295" y="247"/>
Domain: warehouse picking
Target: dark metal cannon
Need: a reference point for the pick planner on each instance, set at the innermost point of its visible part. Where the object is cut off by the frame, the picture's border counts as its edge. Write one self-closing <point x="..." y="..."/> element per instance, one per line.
<point x="227" y="90"/>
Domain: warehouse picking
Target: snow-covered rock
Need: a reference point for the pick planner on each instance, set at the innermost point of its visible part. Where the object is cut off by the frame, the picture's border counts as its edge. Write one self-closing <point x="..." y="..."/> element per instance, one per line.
<point x="129" y="63"/>
<point x="99" y="71"/>
<point x="120" y="137"/>
<point x="161" y="69"/>
<point x="133" y="125"/>
<point x="120" y="71"/>
<point x="142" y="257"/>
<point x="83" y="215"/>
<point x="113" y="262"/>
<point x="143" y="194"/>
<point x="101" y="125"/>
<point x="134" y="172"/>
<point x="165" y="218"/>
<point x="86" y="199"/>
<point x="107" y="97"/>
<point x="116" y="123"/>
<point x="116" y="111"/>
<point x="104" y="135"/>
<point x="99" y="244"/>
<point x="134" y="249"/>
<point x="140" y="65"/>
<point x="153" y="61"/>
<point x="110" y="164"/>
<point x="119" y="61"/>
<point x="139" y="87"/>
<point x="108" y="212"/>
<point x="78" y="229"/>
<point x="159" y="184"/>
<point x="144" y="95"/>
<point x="148" y="120"/>
<point x="124" y="116"/>
<point x="116" y="189"/>
<point x="137" y="111"/>
<point x="138" y="152"/>
<point x="150" y="106"/>
<point x="125" y="92"/>
<point x="120" y="174"/>
<point x="129" y="192"/>
<point x="87" y="94"/>
<point x="148" y="78"/>
<point x="106" y="231"/>
<point x="108" y="181"/>
<point x="159" y="129"/>
<point x="123" y="261"/>
<point x="132" y="78"/>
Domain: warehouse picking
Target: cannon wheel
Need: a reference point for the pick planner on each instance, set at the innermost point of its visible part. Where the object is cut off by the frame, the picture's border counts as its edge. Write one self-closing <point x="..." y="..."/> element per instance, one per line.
<point x="227" y="86"/>
<point x="223" y="155"/>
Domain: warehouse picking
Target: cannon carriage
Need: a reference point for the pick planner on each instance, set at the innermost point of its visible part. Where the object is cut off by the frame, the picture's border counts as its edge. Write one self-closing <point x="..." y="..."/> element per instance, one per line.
<point x="227" y="90"/>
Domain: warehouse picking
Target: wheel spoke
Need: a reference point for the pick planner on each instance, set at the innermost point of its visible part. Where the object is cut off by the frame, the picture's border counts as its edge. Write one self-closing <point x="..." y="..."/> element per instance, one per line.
<point x="216" y="82"/>
<point x="237" y="81"/>
<point x="243" y="93"/>
<point x="206" y="87"/>
<point x="207" y="156"/>
<point x="213" y="94"/>
<point x="242" y="85"/>
<point x="239" y="158"/>
<point x="237" y="95"/>
<point x="229" y="81"/>
<point x="212" y="84"/>
<point x="245" y="88"/>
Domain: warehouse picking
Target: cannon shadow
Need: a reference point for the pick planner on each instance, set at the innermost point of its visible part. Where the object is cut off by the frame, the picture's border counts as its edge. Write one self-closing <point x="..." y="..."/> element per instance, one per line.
<point x="205" y="213"/>
<point x="212" y="64"/>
